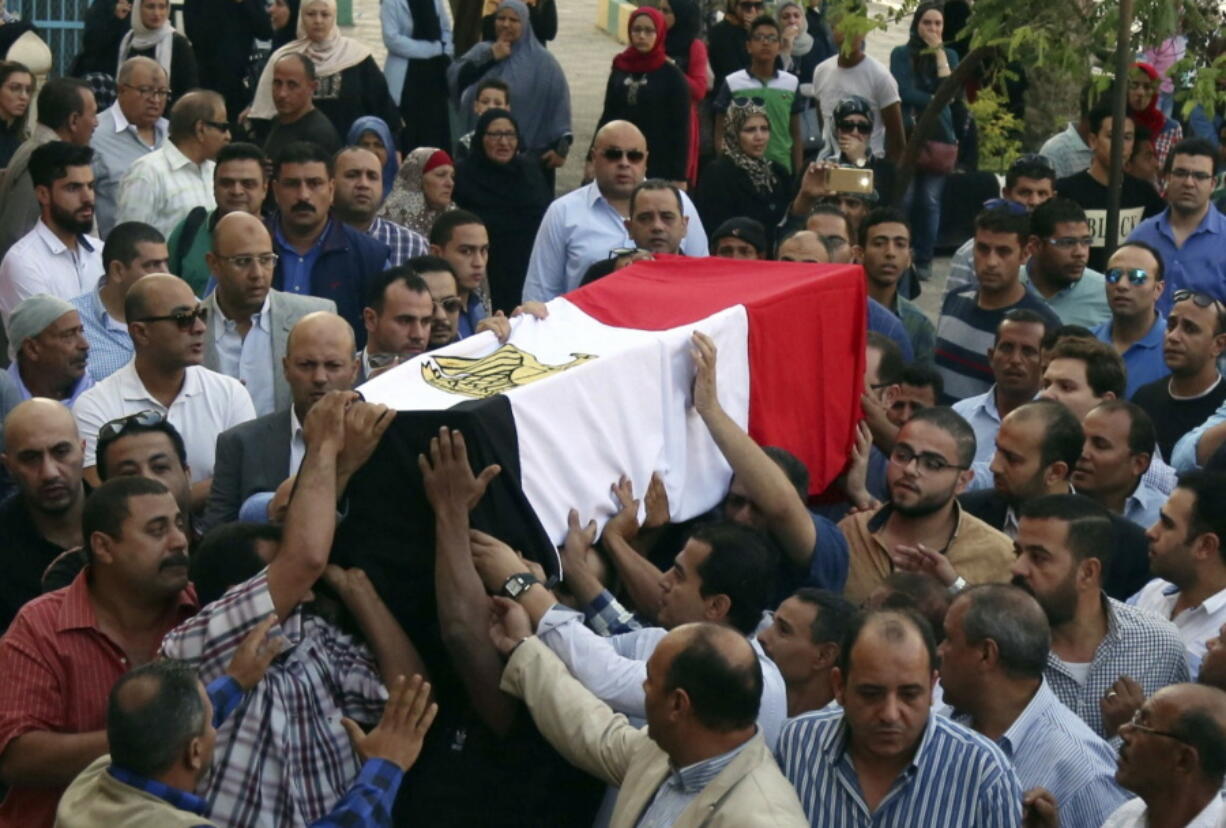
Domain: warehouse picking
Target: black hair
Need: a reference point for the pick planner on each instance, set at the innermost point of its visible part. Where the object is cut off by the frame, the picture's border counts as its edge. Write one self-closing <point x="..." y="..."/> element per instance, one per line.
<point x="389" y="277"/>
<point x="1063" y="437"/>
<point x="1055" y="211"/>
<point x="1105" y="371"/>
<point x="1035" y="170"/>
<point x="1004" y="220"/>
<point x="131" y="429"/>
<point x="893" y="624"/>
<point x="922" y="374"/>
<point x="50" y="162"/>
<point x="241" y="151"/>
<point x="123" y="241"/>
<point x="1141" y="433"/>
<point x="657" y="184"/>
<point x="60" y="99"/>
<point x="824" y="209"/>
<point x="764" y="20"/>
<point x="742" y="566"/>
<point x="1089" y="526"/>
<point x="1021" y="315"/>
<point x="302" y="152"/>
<point x="725" y="696"/>
<point x="953" y="424"/>
<point x="1193" y="146"/>
<point x="148" y="738"/>
<point x="1208" y="517"/>
<point x="881" y="215"/>
<point x="891" y="366"/>
<point x="1101" y="111"/>
<point x="1198" y="728"/>
<point x="444" y="226"/>
<point x="106" y="508"/>
<point x="1065" y="332"/>
<point x="429" y="264"/>
<point x="1151" y="250"/>
<point x="834" y="614"/>
<point x="493" y="83"/>
<point x="228" y="555"/>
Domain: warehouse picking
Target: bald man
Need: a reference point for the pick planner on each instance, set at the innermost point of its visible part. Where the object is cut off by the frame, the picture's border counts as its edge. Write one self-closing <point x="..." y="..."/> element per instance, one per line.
<point x="249" y="321"/>
<point x="167" y="324"/>
<point x="257" y="456"/>
<point x="581" y="227"/>
<point x="703" y="689"/>
<point x="803" y="246"/>
<point x="357" y="196"/>
<point x="43" y="456"/>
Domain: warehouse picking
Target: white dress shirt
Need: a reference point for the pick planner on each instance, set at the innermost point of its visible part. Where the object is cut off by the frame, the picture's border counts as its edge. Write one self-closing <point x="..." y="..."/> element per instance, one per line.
<point x="208" y="404"/>
<point x="40" y="263"/>
<point x="117" y="144"/>
<point x="1135" y="814"/>
<point x="248" y="358"/>
<point x="579" y="229"/>
<point x="1196" y="624"/>
<point x="162" y="187"/>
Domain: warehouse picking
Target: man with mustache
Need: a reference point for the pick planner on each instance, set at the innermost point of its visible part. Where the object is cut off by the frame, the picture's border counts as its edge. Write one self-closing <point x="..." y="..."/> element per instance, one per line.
<point x="318" y="254"/>
<point x="43" y="517"/>
<point x="1063" y="542"/>
<point x="58" y="257"/>
<point x="50" y="350"/>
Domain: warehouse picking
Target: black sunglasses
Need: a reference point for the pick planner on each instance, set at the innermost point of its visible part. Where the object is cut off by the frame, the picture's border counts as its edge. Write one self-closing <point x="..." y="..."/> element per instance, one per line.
<point x="1033" y="159"/>
<point x="855" y="126"/>
<point x="1202" y="300"/>
<point x="750" y="101"/>
<point x="184" y="319"/>
<point x="452" y="304"/>
<point x="142" y="419"/>
<point x="615" y="154"/>
<point x="220" y="126"/>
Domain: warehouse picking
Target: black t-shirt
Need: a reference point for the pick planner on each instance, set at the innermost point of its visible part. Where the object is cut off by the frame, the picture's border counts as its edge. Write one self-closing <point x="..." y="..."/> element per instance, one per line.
<point x="24" y="555"/>
<point x="1174" y="418"/>
<point x="1138" y="201"/>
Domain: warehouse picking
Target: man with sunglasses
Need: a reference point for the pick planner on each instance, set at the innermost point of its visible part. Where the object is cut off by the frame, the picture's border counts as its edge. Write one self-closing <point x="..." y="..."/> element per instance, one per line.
<point x="439" y="276"/>
<point x="923" y="528"/>
<point x="1190" y="233"/>
<point x="168" y="326"/>
<point x="249" y="322"/>
<point x="1135" y="280"/>
<point x="161" y="188"/>
<point x="581" y="227"/>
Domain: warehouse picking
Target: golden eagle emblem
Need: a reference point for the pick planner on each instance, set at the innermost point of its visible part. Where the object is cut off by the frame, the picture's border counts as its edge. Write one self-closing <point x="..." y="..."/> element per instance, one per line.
<point x="506" y="368"/>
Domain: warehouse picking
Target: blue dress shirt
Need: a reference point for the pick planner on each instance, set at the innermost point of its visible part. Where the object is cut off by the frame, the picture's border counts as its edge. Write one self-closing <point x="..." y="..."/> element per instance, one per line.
<point x="681" y="786"/>
<point x="295" y="267"/>
<point x="110" y="346"/>
<point x="1143" y="359"/>
<point x="1200" y="264"/>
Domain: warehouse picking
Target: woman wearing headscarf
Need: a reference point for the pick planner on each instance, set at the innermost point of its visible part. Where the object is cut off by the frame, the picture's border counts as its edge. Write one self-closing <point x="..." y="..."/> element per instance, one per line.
<point x="369" y="132"/>
<point x="224" y="35"/>
<point x="16" y="92"/>
<point x="648" y="90"/>
<point x="543" y="15"/>
<point x="422" y="191"/>
<point x="742" y="181"/>
<point x="538" y="87"/>
<point x="508" y="191"/>
<point x="106" y="22"/>
<point x="152" y="36"/>
<point x="686" y="49"/>
<point x="350" y="82"/>
<point x="919" y="67"/>
<point x="418" y="36"/>
<point x="1143" y="92"/>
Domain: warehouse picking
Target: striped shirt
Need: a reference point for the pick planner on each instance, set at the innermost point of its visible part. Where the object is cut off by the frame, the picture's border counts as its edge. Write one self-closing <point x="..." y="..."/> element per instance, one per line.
<point x="965" y="332"/>
<point x="403" y="242"/>
<point x="282" y="758"/>
<point x="680" y="787"/>
<point x="110" y="345"/>
<point x="1052" y="748"/>
<point x="956" y="777"/>
<point x="1139" y="645"/>
<point x="161" y="188"/>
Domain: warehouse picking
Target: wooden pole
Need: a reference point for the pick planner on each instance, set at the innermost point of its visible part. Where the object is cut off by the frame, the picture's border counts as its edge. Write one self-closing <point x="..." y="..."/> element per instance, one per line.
<point x="1123" y="63"/>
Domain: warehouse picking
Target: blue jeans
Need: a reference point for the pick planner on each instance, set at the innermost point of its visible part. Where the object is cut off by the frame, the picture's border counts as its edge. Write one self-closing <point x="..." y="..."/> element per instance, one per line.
<point x="924" y="214"/>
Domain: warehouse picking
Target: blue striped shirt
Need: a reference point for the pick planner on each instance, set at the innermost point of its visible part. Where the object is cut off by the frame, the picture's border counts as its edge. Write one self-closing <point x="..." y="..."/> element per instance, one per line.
<point x="1052" y="748"/>
<point x="957" y="777"/>
<point x="680" y="787"/>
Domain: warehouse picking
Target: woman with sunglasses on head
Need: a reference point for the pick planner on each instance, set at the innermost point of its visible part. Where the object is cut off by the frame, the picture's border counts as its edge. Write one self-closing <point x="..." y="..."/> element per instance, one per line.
<point x="648" y="90"/>
<point x="507" y="190"/>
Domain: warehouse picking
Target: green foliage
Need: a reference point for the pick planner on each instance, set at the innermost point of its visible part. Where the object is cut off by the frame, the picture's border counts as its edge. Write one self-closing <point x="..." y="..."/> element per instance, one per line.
<point x="998" y="128"/>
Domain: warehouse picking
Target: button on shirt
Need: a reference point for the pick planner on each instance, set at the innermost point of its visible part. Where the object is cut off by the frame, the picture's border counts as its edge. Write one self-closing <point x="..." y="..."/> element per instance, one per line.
<point x="296" y="268"/>
<point x="162" y="187"/>
<point x="579" y="229"/>
<point x="1196" y="624"/>
<point x="681" y="786"/>
<point x="248" y="358"/>
<point x="208" y="404"/>
<point x="1143" y="359"/>
<point x="957" y="777"/>
<point x="40" y="263"/>
<point x="110" y="346"/>
<point x="1200" y="264"/>
<point x="117" y="144"/>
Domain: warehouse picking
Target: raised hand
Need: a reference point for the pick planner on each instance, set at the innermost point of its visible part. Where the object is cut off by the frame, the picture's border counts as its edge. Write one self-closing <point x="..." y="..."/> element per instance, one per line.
<point x="920" y="558"/>
<point x="407" y="716"/>
<point x="656" y="503"/>
<point x="1120" y="704"/>
<point x="365" y="425"/>
<point x="449" y="480"/>
<point x="624" y="524"/>
<point x="325" y="422"/>
<point x="250" y="661"/>
<point x="706" y="398"/>
<point x="495" y="561"/>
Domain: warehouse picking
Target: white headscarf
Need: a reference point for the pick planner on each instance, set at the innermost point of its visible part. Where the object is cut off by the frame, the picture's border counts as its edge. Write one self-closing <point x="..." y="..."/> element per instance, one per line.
<point x="142" y="37"/>
<point x="335" y="53"/>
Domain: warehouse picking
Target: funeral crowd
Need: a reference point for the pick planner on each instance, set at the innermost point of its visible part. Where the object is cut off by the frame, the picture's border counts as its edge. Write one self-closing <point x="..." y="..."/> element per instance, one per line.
<point x="1008" y="609"/>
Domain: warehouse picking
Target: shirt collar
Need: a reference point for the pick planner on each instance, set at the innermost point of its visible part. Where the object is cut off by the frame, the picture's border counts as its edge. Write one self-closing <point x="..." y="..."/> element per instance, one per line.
<point x="323" y="240"/>
<point x="259" y="319"/>
<point x="1212" y="222"/>
<point x="295" y="427"/>
<point x="53" y="241"/>
<point x="1030" y="716"/>
<point x="182" y="800"/>
<point x="176" y="158"/>
<point x="122" y="123"/>
<point x="693" y="778"/>
<point x="1211" y="605"/>
<point x="877" y="522"/>
<point x="132" y="388"/>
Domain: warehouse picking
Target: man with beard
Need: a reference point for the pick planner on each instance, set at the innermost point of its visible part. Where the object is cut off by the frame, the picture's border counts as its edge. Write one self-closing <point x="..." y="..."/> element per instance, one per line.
<point x="1062" y="544"/>
<point x="57" y="257"/>
<point x="923" y="528"/>
<point x="50" y="350"/>
<point x="359" y="194"/>
<point x="1037" y="448"/>
<point x="439" y="276"/>
<point x="43" y="517"/>
<point x="1060" y="248"/>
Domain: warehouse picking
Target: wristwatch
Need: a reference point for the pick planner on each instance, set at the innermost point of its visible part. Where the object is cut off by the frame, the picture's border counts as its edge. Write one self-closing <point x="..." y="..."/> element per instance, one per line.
<point x="517" y="585"/>
<point x="957" y="586"/>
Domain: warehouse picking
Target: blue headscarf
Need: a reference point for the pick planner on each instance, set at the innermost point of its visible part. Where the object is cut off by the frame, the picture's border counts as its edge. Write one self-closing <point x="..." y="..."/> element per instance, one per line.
<point x="369" y="123"/>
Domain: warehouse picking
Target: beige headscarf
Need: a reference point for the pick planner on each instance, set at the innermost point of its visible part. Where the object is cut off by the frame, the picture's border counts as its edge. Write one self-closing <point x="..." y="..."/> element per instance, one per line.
<point x="335" y="53"/>
<point x="140" y="36"/>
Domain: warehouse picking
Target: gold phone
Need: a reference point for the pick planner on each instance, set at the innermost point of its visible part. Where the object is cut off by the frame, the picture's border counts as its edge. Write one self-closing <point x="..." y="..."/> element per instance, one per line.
<point x="850" y="180"/>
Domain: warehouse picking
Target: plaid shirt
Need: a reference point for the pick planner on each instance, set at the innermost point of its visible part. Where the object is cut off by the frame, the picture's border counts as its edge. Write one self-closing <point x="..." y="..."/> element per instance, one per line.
<point x="1139" y="645"/>
<point x="282" y="758"/>
<point x="403" y="242"/>
<point x="607" y="616"/>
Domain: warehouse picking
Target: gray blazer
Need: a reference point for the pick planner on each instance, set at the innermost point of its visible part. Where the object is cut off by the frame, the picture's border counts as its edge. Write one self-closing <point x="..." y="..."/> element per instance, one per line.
<point x="251" y="457"/>
<point x="284" y="311"/>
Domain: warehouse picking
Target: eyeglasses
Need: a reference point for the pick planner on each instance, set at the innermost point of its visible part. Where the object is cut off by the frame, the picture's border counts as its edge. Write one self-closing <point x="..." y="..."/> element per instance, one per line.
<point x="765" y="38"/>
<point x="927" y="461"/>
<point x="265" y="260"/>
<point x="1034" y="159"/>
<point x="1135" y="724"/>
<point x="854" y="126"/>
<point x="377" y="361"/>
<point x="150" y="92"/>
<point x="451" y="304"/>
<point x="142" y="419"/>
<point x="615" y="154"/>
<point x="1069" y="242"/>
<point x="1199" y="176"/>
<point x="834" y="243"/>
<point x="220" y="126"/>
<point x="503" y="135"/>
<point x="184" y="319"/>
<point x="1135" y="275"/>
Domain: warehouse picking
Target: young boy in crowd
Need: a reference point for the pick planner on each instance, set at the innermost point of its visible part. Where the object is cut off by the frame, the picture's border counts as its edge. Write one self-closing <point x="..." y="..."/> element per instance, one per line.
<point x="492" y="93"/>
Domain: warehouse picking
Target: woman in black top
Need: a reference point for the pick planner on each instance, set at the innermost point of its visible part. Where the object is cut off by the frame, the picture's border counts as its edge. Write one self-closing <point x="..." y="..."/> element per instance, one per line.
<point x="16" y="92"/>
<point x="153" y="37"/>
<point x="506" y="188"/>
<point x="648" y="90"/>
<point x="741" y="181"/>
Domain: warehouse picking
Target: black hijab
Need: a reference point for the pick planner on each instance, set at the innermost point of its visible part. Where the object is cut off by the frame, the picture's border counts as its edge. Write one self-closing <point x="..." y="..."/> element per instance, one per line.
<point x="290" y="31"/>
<point x="481" y="181"/>
<point x="924" y="65"/>
<point x="682" y="33"/>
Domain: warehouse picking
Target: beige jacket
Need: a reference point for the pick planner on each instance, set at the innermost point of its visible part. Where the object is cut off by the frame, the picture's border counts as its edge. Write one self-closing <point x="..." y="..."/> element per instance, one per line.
<point x="751" y="791"/>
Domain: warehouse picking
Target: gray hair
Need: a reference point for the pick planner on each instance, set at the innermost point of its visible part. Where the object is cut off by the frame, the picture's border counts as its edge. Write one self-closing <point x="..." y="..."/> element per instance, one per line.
<point x="132" y="64"/>
<point x="1014" y="620"/>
